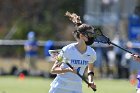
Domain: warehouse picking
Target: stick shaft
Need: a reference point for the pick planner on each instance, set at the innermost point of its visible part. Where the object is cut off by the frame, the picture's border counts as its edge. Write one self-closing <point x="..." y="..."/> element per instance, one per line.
<point x="121" y="48"/>
<point x="81" y="77"/>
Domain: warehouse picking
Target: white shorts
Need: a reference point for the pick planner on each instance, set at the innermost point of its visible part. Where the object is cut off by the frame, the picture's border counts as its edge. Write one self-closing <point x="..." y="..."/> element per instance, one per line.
<point x="59" y="90"/>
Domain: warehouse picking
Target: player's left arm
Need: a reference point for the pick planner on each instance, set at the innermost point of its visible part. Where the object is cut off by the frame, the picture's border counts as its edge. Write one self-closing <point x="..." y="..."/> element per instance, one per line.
<point x="91" y="75"/>
<point x="90" y="72"/>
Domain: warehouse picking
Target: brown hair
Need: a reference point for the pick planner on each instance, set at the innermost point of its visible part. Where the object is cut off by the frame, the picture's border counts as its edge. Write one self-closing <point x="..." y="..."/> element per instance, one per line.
<point x="80" y="27"/>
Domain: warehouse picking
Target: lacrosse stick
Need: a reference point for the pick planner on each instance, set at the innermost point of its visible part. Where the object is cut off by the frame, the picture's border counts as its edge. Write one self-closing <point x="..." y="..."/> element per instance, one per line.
<point x="96" y="32"/>
<point x="101" y="38"/>
<point x="53" y="53"/>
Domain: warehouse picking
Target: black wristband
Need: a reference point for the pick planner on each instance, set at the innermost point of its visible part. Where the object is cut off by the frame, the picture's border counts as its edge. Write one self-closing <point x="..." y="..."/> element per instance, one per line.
<point x="91" y="73"/>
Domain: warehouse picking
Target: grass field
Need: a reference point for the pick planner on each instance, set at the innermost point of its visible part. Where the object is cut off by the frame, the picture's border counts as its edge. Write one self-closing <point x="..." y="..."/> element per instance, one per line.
<point x="11" y="84"/>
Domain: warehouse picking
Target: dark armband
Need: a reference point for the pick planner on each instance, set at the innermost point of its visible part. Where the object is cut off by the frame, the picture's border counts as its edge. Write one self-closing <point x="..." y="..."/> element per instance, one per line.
<point x="91" y="73"/>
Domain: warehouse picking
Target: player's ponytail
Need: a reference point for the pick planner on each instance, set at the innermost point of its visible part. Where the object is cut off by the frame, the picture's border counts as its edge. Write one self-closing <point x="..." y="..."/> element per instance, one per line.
<point x="80" y="27"/>
<point x="74" y="18"/>
<point x="77" y="22"/>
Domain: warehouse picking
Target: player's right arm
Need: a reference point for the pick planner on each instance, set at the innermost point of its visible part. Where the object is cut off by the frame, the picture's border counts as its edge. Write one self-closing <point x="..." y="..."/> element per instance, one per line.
<point x="27" y="47"/>
<point x="59" y="58"/>
<point x="56" y="69"/>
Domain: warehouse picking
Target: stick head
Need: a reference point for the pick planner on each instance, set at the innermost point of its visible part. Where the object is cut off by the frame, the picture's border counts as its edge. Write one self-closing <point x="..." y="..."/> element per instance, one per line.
<point x="55" y="54"/>
<point x="100" y="37"/>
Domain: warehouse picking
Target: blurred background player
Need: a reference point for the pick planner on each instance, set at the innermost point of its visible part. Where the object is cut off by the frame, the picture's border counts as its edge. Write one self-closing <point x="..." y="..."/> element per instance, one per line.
<point x="134" y="66"/>
<point x="31" y="52"/>
<point x="79" y="55"/>
<point x="137" y="58"/>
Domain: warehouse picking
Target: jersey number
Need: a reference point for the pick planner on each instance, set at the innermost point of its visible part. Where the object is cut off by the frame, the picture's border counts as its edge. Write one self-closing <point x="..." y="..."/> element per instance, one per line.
<point x="78" y="69"/>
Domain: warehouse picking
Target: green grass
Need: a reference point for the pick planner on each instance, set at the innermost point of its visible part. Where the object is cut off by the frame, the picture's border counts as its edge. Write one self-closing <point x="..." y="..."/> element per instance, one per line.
<point x="9" y="84"/>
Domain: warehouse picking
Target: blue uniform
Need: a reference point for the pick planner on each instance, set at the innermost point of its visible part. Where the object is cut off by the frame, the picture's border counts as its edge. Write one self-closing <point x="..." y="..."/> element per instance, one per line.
<point x="31" y="52"/>
<point x="138" y="77"/>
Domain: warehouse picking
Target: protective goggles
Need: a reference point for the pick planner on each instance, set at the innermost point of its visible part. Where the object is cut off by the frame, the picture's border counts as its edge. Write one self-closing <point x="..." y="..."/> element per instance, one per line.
<point x="89" y="33"/>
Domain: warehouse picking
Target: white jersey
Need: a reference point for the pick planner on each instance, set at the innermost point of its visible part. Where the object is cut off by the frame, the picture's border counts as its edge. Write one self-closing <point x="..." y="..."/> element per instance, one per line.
<point x="71" y="81"/>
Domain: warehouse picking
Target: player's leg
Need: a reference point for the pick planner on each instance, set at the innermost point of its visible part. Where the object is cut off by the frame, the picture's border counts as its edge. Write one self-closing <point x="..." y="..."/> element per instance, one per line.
<point x="33" y="64"/>
<point x="27" y="61"/>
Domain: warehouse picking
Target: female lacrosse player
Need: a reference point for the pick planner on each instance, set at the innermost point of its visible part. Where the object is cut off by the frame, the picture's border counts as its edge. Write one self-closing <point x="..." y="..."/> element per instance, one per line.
<point x="80" y="55"/>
